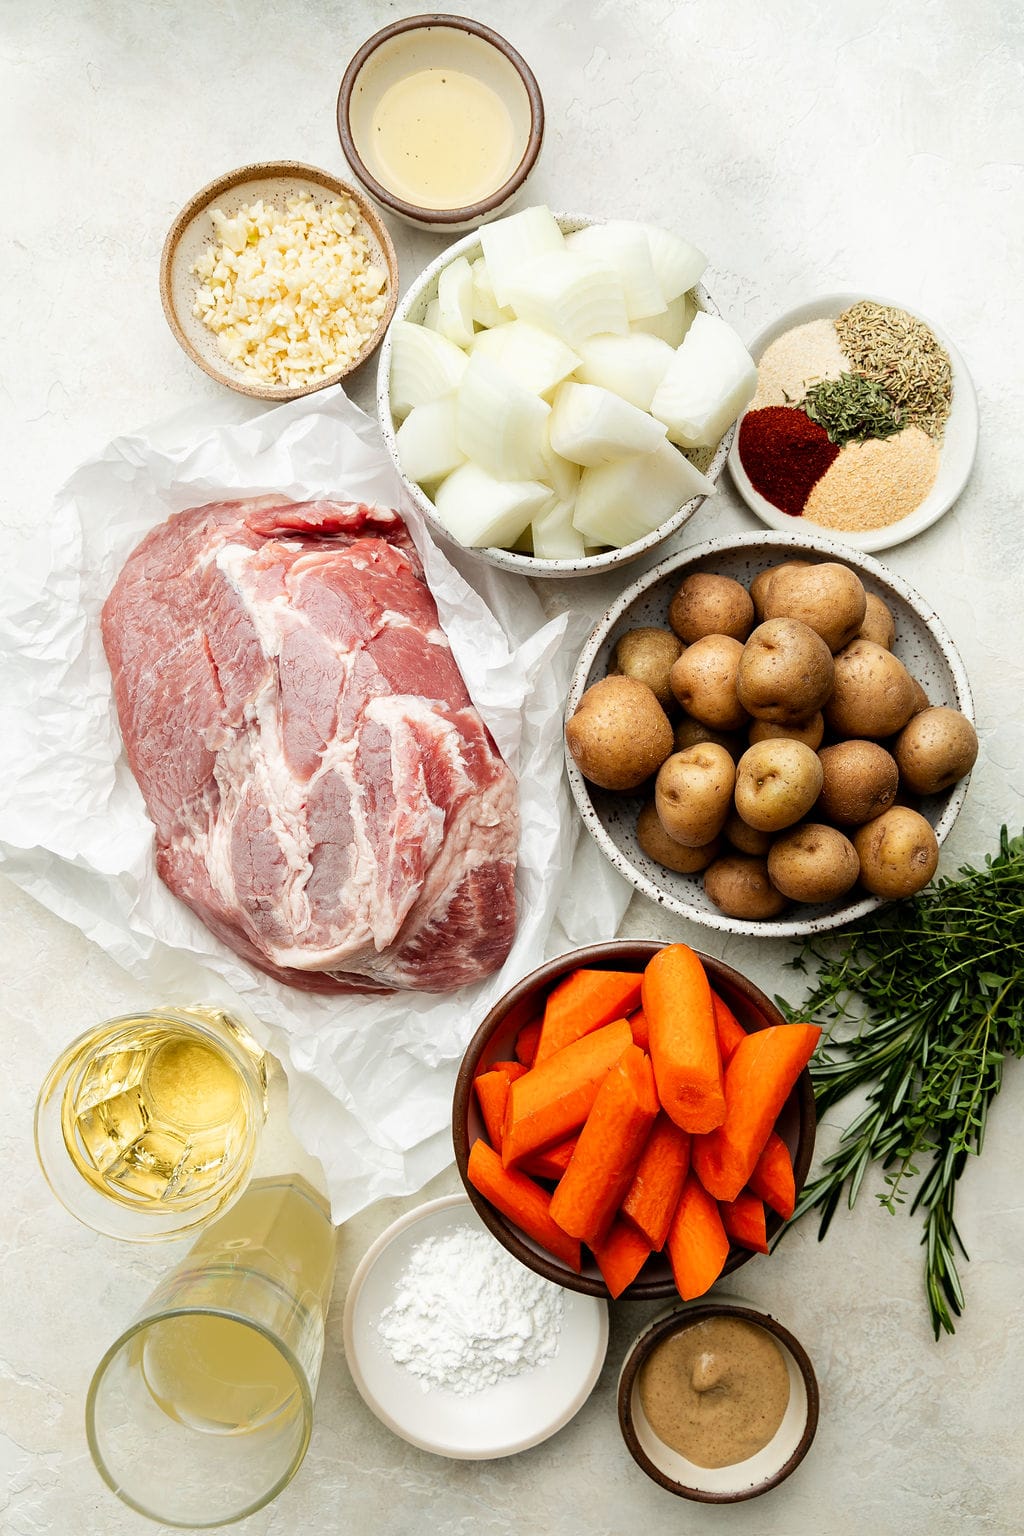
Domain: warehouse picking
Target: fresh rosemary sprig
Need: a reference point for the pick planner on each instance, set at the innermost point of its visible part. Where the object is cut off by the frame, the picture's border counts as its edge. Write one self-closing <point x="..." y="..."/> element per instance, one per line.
<point x="852" y="408"/>
<point x="920" y="1002"/>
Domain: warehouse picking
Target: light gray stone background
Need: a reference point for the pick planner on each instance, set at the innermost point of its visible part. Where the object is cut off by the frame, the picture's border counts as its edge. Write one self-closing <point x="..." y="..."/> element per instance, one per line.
<point x="807" y="148"/>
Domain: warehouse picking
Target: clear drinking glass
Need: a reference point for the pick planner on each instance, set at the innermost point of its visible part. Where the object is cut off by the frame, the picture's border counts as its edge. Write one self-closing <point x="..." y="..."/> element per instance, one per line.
<point x="201" y="1412"/>
<point x="147" y="1125"/>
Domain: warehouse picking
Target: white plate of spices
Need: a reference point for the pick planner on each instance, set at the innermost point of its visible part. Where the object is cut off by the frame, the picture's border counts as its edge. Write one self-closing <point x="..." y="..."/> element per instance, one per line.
<point x="864" y="425"/>
<point x="459" y="1348"/>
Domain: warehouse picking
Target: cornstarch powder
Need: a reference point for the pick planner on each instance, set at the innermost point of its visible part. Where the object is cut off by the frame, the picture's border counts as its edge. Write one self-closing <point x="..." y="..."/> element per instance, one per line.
<point x="467" y="1315"/>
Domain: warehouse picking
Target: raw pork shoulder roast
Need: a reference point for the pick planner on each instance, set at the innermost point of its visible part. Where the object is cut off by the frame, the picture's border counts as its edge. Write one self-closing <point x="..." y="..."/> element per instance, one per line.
<point x="325" y="796"/>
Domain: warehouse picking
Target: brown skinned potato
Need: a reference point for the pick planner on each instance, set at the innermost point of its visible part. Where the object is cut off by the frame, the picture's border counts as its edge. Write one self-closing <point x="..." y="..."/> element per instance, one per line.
<point x="935" y="749"/>
<point x="693" y="793"/>
<point x="813" y="862"/>
<point x="619" y="734"/>
<point x="785" y="672"/>
<point x="689" y="732"/>
<point x="745" y="838"/>
<point x="811" y="732"/>
<point x="763" y="580"/>
<point x="647" y="655"/>
<point x="829" y="598"/>
<point x="874" y="694"/>
<point x="879" y="624"/>
<point x="898" y="853"/>
<point x="706" y="604"/>
<point x="860" y="780"/>
<point x="739" y="886"/>
<point x="777" y="782"/>
<point x="657" y="845"/>
<point x="704" y="682"/>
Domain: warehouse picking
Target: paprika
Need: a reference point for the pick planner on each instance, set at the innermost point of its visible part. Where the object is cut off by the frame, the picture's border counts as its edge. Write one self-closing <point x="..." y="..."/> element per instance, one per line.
<point x="784" y="454"/>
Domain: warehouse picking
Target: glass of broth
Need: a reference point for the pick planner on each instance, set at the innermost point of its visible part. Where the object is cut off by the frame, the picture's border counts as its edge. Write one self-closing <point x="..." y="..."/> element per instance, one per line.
<point x="148" y="1124"/>
<point x="201" y="1412"/>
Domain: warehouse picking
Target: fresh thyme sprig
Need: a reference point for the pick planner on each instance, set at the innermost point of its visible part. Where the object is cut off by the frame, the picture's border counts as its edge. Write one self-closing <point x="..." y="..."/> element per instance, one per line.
<point x="920" y="1002"/>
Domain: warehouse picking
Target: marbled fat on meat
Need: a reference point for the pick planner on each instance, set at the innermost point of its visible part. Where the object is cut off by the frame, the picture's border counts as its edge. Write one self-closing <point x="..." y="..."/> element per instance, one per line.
<point x="325" y="796"/>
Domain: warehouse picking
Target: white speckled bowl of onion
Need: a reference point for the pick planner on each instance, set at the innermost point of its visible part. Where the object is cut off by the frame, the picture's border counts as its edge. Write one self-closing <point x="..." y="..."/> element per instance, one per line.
<point x="707" y="462"/>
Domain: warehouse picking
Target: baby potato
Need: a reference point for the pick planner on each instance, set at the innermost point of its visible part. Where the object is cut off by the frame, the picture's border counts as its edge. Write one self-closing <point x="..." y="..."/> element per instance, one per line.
<point x="689" y="732"/>
<point x="898" y="853"/>
<point x="619" y="734"/>
<point x="763" y="580"/>
<point x="744" y="838"/>
<point x="704" y="682"/>
<point x="811" y="732"/>
<point x="657" y="845"/>
<point x="829" y="598"/>
<point x="706" y="604"/>
<point x="813" y="863"/>
<point x="739" y="886"/>
<point x="873" y="695"/>
<point x="920" y="698"/>
<point x="879" y="624"/>
<point x="777" y="782"/>
<point x="935" y="749"/>
<point x="860" y="780"/>
<point x="693" y="793"/>
<point x="785" y="672"/>
<point x="647" y="655"/>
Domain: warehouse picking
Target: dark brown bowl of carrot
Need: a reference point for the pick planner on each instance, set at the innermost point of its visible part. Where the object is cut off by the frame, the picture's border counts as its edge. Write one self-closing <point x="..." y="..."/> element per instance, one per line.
<point x="635" y="1118"/>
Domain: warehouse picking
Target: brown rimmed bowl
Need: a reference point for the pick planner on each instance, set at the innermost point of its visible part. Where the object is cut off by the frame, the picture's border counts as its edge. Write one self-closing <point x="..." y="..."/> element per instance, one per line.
<point x="743" y="1480"/>
<point x="430" y="42"/>
<point x="192" y="232"/>
<point x="495" y="1041"/>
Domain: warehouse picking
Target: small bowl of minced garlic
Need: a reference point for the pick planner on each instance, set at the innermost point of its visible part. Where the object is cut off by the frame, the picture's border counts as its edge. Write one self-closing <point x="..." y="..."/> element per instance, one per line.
<point x="864" y="424"/>
<point x="278" y="279"/>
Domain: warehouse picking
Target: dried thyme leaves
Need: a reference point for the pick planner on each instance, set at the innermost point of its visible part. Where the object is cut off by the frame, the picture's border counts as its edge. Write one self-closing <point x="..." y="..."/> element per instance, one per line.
<point x="901" y="354"/>
<point x="852" y="408"/>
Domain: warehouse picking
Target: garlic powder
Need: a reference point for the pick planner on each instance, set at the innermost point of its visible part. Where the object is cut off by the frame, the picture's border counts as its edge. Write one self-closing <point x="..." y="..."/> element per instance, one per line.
<point x="290" y="295"/>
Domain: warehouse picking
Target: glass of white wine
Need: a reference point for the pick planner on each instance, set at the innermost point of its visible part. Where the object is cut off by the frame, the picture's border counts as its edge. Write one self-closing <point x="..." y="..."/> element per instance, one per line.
<point x="148" y="1124"/>
<point x="201" y="1412"/>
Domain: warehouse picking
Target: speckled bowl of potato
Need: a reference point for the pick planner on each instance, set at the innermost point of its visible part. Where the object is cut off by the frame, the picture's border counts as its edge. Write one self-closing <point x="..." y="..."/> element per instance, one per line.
<point x="771" y="827"/>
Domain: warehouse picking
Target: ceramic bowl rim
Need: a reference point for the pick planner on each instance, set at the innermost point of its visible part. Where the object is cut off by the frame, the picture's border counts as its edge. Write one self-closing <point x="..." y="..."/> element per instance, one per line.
<point x="266" y="170"/>
<point x="663" y="1328"/>
<point x="783" y="927"/>
<point x="479" y="209"/>
<point x="637" y="951"/>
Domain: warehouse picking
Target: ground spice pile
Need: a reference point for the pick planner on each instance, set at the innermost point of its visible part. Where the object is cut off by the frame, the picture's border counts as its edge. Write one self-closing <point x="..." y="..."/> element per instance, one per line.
<point x="846" y="425"/>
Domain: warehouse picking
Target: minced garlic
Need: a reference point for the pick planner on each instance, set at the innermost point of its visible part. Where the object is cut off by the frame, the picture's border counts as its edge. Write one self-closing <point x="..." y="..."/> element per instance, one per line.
<point x="290" y="296"/>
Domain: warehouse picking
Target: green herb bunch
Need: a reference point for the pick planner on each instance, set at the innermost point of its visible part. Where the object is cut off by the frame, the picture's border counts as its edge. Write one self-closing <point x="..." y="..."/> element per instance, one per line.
<point x="921" y="1003"/>
<point x="852" y="408"/>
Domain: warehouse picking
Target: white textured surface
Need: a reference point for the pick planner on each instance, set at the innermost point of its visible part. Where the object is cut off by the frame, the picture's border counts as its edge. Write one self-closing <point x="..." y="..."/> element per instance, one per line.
<point x="808" y="148"/>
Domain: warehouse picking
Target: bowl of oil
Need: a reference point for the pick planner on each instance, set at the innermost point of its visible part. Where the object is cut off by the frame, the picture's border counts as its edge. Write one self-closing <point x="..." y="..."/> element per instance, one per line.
<point x="718" y="1402"/>
<point x="441" y="120"/>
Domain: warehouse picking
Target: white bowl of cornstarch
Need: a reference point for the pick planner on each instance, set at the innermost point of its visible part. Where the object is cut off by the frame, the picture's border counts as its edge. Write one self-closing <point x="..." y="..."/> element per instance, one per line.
<point x="459" y="1348"/>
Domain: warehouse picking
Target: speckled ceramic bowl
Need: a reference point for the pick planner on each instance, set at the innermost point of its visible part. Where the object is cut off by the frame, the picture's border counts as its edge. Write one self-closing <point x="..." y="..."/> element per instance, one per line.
<point x="743" y="1480"/>
<point x="413" y="307"/>
<point x="495" y="1041"/>
<point x="922" y="644"/>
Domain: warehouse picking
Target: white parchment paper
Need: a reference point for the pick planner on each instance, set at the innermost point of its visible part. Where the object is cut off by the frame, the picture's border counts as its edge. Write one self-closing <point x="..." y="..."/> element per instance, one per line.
<point x="370" y="1078"/>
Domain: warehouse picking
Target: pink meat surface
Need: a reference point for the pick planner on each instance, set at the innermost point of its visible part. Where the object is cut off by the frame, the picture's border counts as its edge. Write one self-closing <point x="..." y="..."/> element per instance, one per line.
<point x="325" y="796"/>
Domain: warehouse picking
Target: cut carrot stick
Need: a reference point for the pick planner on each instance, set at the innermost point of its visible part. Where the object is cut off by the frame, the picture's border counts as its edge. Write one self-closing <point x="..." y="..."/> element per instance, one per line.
<point x="658" y="1182"/>
<point x="697" y="1242"/>
<point x="492" y="1094"/>
<point x="552" y="1100"/>
<point x="583" y="1002"/>
<point x="621" y="1256"/>
<point x="641" y="1029"/>
<point x="551" y="1163"/>
<point x="684" y="1045"/>
<point x="772" y="1179"/>
<point x="743" y="1220"/>
<point x="608" y="1150"/>
<point x="521" y="1200"/>
<point x="758" y="1079"/>
<point x="526" y="1043"/>
<point x="514" y="1068"/>
<point x="728" y="1029"/>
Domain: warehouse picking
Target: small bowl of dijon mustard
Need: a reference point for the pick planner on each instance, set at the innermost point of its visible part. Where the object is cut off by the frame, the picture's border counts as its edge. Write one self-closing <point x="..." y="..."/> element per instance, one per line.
<point x="718" y="1402"/>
